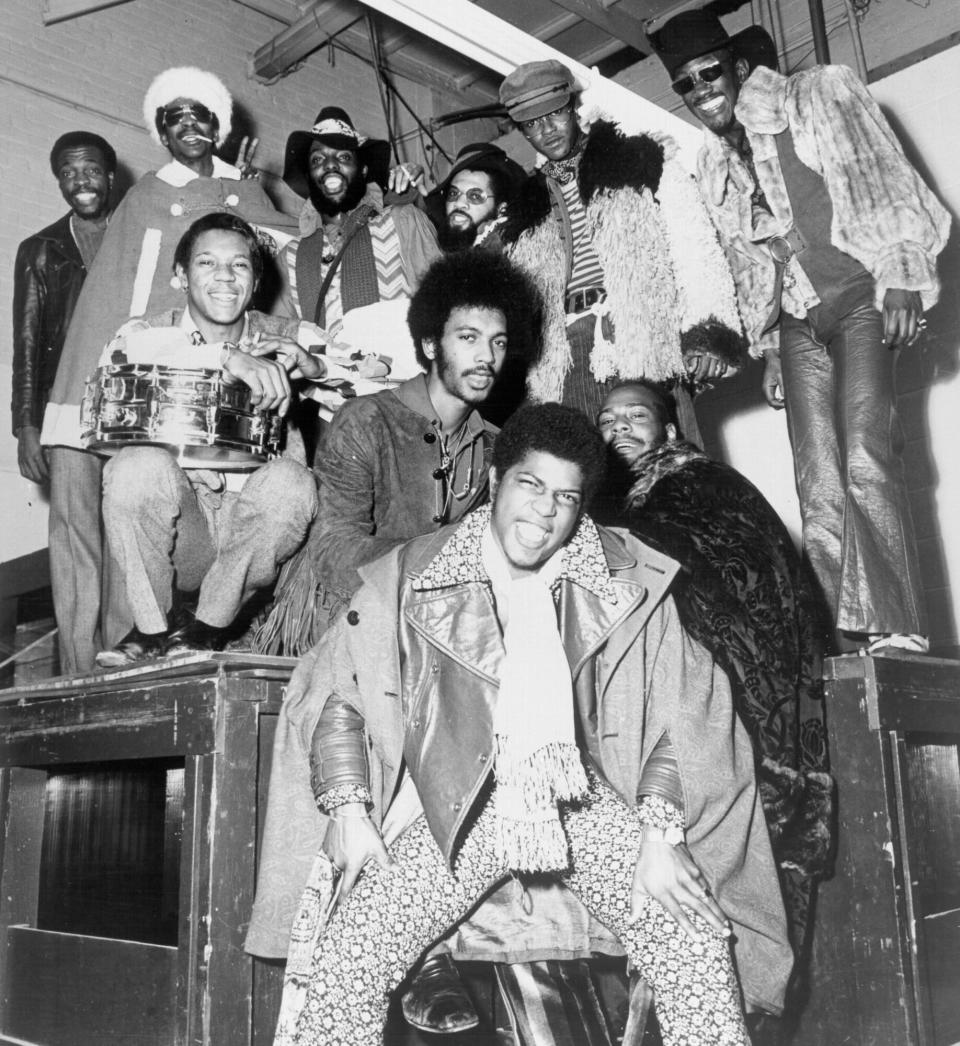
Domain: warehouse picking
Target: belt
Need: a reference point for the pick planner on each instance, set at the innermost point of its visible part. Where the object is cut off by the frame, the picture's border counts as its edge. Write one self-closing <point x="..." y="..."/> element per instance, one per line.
<point x="580" y="301"/>
<point x="782" y="249"/>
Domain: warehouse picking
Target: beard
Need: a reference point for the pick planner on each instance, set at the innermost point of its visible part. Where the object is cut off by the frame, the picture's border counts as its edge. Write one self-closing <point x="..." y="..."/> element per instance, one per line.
<point x="356" y="190"/>
<point x="456" y="237"/>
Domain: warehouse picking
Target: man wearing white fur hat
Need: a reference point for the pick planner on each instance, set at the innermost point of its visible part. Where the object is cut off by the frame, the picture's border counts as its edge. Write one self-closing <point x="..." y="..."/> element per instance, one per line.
<point x="188" y="111"/>
<point x="614" y="231"/>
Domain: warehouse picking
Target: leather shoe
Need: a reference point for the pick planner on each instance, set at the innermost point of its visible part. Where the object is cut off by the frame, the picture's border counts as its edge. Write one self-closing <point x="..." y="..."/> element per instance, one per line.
<point x="194" y="638"/>
<point x="437" y="1000"/>
<point x="135" y="648"/>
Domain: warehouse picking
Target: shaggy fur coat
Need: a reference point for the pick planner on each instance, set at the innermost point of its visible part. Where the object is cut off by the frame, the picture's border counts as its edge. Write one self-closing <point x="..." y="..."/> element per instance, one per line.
<point x="669" y="290"/>
<point x="884" y="215"/>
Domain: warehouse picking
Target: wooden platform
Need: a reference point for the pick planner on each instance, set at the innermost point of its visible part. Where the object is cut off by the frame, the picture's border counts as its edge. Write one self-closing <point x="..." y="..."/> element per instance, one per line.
<point x="204" y="721"/>
<point x="886" y="966"/>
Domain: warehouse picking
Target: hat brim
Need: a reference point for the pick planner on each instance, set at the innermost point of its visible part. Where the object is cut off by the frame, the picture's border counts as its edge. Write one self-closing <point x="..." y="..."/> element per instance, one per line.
<point x="540" y="106"/>
<point x="480" y="161"/>
<point x="374" y="154"/>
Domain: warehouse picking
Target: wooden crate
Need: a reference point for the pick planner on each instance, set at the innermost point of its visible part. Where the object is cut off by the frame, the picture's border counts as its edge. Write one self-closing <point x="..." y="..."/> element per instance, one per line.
<point x="216" y="713"/>
<point x="886" y="963"/>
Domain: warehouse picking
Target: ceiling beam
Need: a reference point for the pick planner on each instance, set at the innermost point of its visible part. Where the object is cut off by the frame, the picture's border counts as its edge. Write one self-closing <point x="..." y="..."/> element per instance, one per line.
<point x="60" y="10"/>
<point x="310" y="31"/>
<point x="610" y="19"/>
<point x="285" y="11"/>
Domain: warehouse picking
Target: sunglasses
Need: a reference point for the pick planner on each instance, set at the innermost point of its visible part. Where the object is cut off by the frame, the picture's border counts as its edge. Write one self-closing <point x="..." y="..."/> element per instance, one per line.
<point x="176" y="114"/>
<point x="475" y="196"/>
<point x="707" y="75"/>
<point x="558" y="116"/>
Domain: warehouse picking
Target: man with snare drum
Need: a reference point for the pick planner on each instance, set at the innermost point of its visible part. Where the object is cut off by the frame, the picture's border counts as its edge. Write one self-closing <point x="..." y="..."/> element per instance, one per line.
<point x="170" y="523"/>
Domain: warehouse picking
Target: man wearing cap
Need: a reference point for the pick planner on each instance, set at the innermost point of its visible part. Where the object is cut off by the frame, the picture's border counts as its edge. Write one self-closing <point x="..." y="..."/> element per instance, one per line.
<point x="359" y="261"/>
<point x="612" y="227"/>
<point x="833" y="238"/>
<point x="50" y="268"/>
<point x="188" y="112"/>
<point x="475" y="195"/>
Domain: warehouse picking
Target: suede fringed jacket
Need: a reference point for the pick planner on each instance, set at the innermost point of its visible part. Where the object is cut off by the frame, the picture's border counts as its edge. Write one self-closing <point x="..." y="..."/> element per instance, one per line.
<point x="669" y="289"/>
<point x="884" y="215"/>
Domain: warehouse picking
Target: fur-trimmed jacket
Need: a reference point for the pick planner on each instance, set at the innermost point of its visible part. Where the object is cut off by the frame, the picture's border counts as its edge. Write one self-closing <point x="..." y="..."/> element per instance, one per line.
<point x="669" y="289"/>
<point x="884" y="216"/>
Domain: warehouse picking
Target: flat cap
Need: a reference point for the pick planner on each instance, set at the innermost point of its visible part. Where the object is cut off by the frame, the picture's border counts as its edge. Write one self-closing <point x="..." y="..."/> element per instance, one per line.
<point x="537" y="88"/>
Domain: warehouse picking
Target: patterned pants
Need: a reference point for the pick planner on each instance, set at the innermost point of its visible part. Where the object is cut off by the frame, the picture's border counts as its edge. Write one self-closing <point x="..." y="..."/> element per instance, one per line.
<point x="381" y="929"/>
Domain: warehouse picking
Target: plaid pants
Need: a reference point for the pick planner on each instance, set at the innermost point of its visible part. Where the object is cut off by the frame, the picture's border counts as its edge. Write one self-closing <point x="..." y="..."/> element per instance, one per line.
<point x="392" y="915"/>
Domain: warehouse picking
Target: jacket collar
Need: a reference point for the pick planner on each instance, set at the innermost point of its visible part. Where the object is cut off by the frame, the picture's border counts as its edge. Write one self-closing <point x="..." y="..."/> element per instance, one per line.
<point x="59" y="235"/>
<point x="452" y="608"/>
<point x="762" y="105"/>
<point x="414" y="396"/>
<point x="459" y="561"/>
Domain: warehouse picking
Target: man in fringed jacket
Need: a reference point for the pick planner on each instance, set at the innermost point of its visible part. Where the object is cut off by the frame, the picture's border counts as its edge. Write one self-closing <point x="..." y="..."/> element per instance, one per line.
<point x="833" y="239"/>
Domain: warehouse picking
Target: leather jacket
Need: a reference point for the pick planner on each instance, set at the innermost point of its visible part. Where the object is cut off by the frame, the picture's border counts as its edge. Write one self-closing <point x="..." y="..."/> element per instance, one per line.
<point x="450" y="645"/>
<point x="47" y="278"/>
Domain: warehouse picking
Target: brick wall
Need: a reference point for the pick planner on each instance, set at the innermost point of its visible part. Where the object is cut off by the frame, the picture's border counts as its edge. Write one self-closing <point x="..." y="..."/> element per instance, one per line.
<point x="91" y="72"/>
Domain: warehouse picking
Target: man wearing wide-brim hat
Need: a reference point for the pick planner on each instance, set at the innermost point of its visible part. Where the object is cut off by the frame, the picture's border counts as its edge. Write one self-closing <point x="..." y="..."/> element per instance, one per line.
<point x="612" y="227"/>
<point x="469" y="206"/>
<point x="833" y="239"/>
<point x="356" y="253"/>
<point x="187" y="111"/>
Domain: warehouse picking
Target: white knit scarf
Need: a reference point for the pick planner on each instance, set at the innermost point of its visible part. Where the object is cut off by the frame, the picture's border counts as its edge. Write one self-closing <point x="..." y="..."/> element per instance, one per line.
<point x="538" y="763"/>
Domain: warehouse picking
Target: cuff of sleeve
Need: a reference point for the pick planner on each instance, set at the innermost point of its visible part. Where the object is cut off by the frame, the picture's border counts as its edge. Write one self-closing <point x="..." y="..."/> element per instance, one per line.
<point x="659" y="813"/>
<point x="340" y="795"/>
<point x="907" y="267"/>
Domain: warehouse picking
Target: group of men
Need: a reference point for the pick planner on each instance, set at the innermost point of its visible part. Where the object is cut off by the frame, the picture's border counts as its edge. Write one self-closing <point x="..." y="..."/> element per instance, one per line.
<point x="495" y="690"/>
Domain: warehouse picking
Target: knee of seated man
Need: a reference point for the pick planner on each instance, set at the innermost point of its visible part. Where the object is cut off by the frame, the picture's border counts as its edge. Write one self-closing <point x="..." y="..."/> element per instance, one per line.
<point x="137" y="474"/>
<point x="285" y="489"/>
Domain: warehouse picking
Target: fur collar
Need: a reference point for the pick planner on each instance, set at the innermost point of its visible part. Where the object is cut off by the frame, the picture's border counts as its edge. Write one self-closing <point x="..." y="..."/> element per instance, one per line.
<point x="460" y="560"/>
<point x="762" y="104"/>
<point x="613" y="160"/>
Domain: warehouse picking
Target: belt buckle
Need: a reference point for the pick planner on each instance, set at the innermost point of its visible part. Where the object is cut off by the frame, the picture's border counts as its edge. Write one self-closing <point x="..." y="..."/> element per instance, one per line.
<point x="781" y="250"/>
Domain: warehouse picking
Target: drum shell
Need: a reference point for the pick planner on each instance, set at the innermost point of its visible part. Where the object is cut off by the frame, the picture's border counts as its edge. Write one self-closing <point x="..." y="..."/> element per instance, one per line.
<point x="205" y="422"/>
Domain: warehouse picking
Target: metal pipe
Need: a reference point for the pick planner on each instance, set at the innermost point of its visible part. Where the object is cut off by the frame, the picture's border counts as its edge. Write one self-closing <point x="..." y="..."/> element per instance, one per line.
<point x="857" y="40"/>
<point x="818" y="24"/>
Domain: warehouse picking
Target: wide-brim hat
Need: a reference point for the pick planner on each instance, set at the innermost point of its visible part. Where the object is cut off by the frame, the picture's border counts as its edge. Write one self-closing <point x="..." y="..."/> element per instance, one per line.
<point x="485" y="156"/>
<point x="686" y="36"/>
<point x="186" y="81"/>
<point x="537" y="88"/>
<point x="335" y="128"/>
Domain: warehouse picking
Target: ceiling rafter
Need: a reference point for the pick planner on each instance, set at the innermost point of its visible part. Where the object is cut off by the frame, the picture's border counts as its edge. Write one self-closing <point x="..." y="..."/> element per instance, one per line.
<point x="610" y="19"/>
<point x="310" y="26"/>
<point x="52" y="11"/>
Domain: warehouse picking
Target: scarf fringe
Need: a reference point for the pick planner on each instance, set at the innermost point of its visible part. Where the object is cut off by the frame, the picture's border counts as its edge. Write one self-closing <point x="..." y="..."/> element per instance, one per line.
<point x="529" y="833"/>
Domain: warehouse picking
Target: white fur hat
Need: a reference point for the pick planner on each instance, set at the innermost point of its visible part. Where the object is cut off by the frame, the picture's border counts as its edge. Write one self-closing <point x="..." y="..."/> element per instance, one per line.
<point x="187" y="81"/>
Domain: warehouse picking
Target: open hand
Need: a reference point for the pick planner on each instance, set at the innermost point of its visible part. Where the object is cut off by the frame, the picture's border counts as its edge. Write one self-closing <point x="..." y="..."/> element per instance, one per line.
<point x="296" y="361"/>
<point x="352" y="840"/>
<point x="670" y="875"/>
<point x="404" y="176"/>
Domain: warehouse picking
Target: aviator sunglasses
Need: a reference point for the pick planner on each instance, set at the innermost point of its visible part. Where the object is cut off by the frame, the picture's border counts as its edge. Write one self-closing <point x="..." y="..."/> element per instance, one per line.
<point x="176" y="114"/>
<point x="475" y="196"/>
<point x="707" y="74"/>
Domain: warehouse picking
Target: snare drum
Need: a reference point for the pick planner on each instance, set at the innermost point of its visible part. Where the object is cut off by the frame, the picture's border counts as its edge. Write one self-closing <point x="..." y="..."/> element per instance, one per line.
<point x="207" y="423"/>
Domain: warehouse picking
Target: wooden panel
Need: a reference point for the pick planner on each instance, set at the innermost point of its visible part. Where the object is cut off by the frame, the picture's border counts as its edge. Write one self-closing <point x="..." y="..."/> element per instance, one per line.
<point x="22" y="844"/>
<point x="150" y="721"/>
<point x="87" y="991"/>
<point x="267" y="989"/>
<point x="941" y="957"/>
<point x="861" y="989"/>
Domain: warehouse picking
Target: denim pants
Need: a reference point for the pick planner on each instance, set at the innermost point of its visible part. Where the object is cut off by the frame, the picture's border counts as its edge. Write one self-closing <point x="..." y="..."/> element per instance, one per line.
<point x="167" y="529"/>
<point x="838" y="383"/>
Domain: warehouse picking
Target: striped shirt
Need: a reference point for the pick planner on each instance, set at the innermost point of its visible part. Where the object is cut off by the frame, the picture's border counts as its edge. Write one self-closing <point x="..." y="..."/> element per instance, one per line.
<point x="586" y="270"/>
